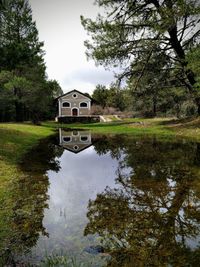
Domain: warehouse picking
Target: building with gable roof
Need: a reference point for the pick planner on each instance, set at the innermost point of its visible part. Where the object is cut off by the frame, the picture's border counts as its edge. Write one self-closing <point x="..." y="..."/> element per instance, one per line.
<point x="74" y="104"/>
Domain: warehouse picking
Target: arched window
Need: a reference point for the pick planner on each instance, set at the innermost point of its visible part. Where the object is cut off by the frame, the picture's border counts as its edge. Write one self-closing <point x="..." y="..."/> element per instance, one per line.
<point x="75" y="133"/>
<point x="83" y="105"/>
<point x="67" y="139"/>
<point x="84" y="138"/>
<point x="66" y="105"/>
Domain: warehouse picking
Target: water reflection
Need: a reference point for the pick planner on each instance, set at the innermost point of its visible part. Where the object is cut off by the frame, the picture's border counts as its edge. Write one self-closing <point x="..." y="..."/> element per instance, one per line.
<point x="152" y="218"/>
<point x="23" y="209"/>
<point x="138" y="198"/>
<point x="81" y="177"/>
<point x="75" y="141"/>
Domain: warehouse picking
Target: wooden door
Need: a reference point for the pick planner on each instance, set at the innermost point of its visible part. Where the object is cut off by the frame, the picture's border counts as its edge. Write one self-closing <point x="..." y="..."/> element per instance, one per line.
<point x="74" y="112"/>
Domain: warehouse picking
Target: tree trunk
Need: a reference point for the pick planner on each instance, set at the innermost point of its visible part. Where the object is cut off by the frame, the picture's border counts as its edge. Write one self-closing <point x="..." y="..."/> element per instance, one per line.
<point x="18" y="107"/>
<point x="197" y="101"/>
<point x="178" y="49"/>
<point x="17" y="111"/>
<point x="154" y="106"/>
<point x="189" y="75"/>
<point x="35" y="119"/>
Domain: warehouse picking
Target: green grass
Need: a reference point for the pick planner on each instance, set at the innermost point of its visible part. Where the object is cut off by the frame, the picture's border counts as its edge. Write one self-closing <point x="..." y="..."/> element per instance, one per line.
<point x="64" y="261"/>
<point x="161" y="127"/>
<point x="17" y="139"/>
<point x="129" y="126"/>
<point x="134" y="127"/>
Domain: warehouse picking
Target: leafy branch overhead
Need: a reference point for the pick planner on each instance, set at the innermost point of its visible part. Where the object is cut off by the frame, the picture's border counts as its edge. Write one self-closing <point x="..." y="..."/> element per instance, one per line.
<point x="130" y="33"/>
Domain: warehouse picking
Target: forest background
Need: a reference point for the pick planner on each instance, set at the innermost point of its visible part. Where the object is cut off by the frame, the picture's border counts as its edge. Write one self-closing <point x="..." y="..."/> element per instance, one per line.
<point x="154" y="44"/>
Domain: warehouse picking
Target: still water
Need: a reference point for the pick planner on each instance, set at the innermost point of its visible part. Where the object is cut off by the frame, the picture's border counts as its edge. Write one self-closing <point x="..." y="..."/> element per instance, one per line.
<point x="106" y="201"/>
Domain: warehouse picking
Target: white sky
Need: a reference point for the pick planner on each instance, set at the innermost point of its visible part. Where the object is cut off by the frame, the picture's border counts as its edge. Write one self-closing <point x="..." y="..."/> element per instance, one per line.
<point x="59" y="26"/>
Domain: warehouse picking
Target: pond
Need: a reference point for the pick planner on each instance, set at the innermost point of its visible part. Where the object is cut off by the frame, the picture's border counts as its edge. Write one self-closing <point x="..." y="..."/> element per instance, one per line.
<point x="111" y="200"/>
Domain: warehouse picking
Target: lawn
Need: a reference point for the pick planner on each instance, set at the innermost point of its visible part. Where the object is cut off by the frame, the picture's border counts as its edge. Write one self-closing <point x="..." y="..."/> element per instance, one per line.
<point x="129" y="126"/>
<point x="161" y="127"/>
<point x="17" y="139"/>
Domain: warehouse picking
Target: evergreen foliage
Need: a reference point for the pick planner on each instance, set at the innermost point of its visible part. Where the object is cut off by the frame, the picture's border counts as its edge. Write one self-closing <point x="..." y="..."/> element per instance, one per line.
<point x="110" y="97"/>
<point x="151" y="41"/>
<point x="25" y="92"/>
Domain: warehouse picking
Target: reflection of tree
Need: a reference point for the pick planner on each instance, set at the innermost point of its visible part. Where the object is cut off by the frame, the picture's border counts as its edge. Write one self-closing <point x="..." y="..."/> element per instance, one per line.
<point x="106" y="144"/>
<point x="148" y="219"/>
<point x="43" y="157"/>
<point x="28" y="197"/>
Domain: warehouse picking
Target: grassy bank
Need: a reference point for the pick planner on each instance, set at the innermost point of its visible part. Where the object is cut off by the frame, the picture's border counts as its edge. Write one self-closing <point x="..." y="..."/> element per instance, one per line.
<point x="125" y="126"/>
<point x="15" y="141"/>
<point x="161" y="127"/>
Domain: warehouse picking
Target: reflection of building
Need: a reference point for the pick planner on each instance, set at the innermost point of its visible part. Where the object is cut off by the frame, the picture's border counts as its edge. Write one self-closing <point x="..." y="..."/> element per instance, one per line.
<point x="75" y="141"/>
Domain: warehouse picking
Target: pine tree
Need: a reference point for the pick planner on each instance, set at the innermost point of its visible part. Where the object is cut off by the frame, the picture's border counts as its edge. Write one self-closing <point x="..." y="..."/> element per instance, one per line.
<point x="22" y="55"/>
<point x="19" y="36"/>
<point x="120" y="35"/>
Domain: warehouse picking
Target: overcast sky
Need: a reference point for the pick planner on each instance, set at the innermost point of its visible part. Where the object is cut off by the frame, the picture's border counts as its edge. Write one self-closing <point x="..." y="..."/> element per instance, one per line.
<point x="58" y="22"/>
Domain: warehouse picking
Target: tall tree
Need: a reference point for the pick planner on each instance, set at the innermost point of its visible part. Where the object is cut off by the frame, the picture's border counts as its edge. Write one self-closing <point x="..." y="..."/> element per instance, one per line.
<point x="147" y="86"/>
<point x="22" y="68"/>
<point x="14" y="89"/>
<point x="100" y="95"/>
<point x="116" y="97"/>
<point x="119" y="37"/>
<point x="19" y="36"/>
<point x="21" y="51"/>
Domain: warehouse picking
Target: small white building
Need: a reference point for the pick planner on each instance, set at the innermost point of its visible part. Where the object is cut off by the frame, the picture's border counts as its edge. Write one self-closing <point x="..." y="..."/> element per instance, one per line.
<point x="74" y="104"/>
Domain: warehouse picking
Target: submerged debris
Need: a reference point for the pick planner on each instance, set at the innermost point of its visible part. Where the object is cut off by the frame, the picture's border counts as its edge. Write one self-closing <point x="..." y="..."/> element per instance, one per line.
<point x="94" y="249"/>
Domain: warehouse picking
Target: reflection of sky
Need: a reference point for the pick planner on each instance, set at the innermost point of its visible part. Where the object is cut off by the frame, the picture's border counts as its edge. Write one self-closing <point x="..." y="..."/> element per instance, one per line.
<point x="82" y="177"/>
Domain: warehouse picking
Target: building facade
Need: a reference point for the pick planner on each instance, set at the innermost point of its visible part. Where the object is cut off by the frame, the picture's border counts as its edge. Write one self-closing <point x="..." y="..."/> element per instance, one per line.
<point x="74" y="104"/>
